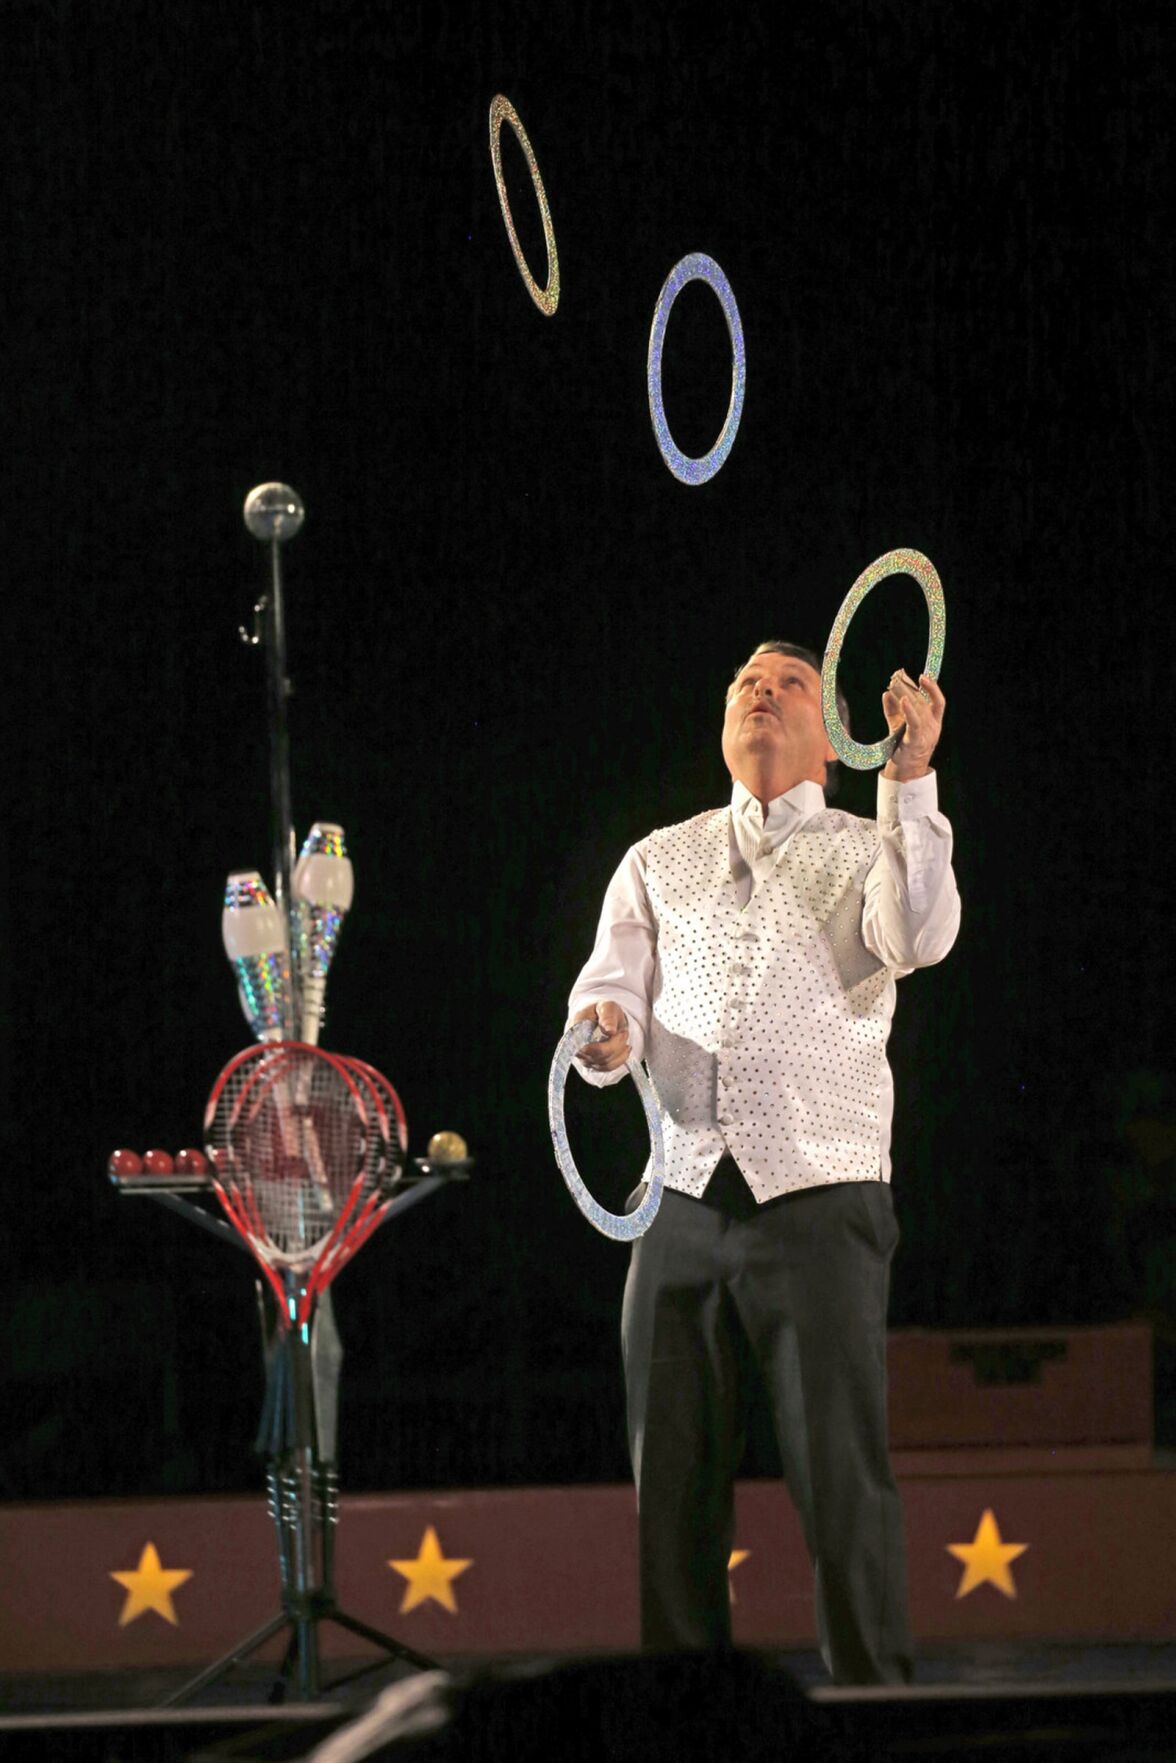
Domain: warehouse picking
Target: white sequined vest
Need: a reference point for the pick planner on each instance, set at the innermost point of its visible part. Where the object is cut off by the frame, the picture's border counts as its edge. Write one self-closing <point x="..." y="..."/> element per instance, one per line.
<point x="769" y="1023"/>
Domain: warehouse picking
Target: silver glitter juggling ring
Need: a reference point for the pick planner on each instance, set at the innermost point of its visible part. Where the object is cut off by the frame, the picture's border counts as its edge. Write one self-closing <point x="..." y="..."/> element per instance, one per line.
<point x="695" y="268"/>
<point x="853" y="753"/>
<point x="622" y="1227"/>
<point x="546" y="299"/>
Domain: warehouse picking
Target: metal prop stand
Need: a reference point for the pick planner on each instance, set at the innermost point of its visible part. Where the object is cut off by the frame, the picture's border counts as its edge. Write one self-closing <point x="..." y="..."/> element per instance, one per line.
<point x="297" y="1435"/>
<point x="303" y="1358"/>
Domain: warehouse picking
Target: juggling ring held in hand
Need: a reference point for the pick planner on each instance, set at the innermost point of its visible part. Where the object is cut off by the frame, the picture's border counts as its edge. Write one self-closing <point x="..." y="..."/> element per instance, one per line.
<point x="853" y="753"/>
<point x="622" y="1227"/>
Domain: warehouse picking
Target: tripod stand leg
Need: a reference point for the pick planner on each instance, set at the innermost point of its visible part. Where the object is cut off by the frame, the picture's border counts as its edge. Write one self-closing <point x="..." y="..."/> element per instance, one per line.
<point x="397" y="1649"/>
<point x="278" y="1687"/>
<point x="226" y="1662"/>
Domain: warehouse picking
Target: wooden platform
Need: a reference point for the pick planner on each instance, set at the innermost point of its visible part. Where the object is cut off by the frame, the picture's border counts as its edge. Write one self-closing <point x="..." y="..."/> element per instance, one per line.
<point x="553" y="1569"/>
<point x="1035" y="1510"/>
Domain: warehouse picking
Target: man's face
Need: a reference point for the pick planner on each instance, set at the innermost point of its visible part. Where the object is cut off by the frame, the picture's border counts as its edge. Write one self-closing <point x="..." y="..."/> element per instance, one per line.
<point x="773" y="728"/>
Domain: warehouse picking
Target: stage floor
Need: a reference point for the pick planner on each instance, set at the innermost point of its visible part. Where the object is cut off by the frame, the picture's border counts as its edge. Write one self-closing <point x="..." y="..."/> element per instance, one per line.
<point x="987" y="1665"/>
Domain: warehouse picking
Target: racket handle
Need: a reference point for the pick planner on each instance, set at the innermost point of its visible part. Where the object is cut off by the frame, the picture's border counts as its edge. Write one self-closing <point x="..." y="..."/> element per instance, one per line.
<point x="336" y="1256"/>
<point x="238" y="1219"/>
<point x="326" y="1253"/>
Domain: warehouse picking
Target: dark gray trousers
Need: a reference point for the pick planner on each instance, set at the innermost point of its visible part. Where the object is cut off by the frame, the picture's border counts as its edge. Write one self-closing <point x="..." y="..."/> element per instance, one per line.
<point x="797" y="1288"/>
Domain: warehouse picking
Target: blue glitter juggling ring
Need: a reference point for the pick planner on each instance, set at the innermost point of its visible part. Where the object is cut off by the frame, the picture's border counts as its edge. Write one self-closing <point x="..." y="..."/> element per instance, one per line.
<point x="853" y="753"/>
<point x="622" y="1227"/>
<point x="695" y="268"/>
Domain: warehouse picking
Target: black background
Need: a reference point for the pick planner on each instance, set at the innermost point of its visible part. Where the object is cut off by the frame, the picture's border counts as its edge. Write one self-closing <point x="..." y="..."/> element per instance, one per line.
<point x="250" y="244"/>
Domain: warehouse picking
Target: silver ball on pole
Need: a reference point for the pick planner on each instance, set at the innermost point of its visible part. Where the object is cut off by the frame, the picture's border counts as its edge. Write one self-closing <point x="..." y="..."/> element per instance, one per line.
<point x="274" y="511"/>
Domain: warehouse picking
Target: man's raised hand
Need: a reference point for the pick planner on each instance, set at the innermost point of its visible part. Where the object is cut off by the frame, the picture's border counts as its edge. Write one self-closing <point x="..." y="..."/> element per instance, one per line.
<point x="921" y="708"/>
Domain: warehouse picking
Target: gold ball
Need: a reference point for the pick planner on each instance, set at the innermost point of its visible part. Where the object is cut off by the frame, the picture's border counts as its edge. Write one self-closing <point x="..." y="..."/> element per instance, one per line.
<point x="448" y="1147"/>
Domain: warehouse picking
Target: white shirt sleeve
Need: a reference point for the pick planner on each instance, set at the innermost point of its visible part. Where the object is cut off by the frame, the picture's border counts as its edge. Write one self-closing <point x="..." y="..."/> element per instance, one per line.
<point x="622" y="961"/>
<point x="911" y="908"/>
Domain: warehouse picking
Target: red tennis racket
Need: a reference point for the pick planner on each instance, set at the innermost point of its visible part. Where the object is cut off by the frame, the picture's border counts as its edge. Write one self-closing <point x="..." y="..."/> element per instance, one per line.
<point x="300" y="1143"/>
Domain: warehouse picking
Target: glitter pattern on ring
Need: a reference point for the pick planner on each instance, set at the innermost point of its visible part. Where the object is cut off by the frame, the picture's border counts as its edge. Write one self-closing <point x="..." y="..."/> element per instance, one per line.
<point x="695" y="268"/>
<point x="621" y="1227"/>
<point x="853" y="753"/>
<point x="546" y="299"/>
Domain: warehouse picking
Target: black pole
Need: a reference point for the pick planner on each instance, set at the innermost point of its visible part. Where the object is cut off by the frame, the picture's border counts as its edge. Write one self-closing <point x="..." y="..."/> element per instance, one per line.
<point x="281" y="810"/>
<point x="273" y="514"/>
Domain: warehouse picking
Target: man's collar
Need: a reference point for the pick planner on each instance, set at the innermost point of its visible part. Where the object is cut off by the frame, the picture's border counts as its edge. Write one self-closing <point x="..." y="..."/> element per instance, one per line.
<point x="803" y="799"/>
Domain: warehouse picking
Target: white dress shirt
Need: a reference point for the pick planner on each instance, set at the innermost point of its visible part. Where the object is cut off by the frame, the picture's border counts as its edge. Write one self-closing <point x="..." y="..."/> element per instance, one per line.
<point x="757" y="973"/>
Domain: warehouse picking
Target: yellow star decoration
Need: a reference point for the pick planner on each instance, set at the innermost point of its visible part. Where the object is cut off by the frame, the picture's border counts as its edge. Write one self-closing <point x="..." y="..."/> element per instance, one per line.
<point x="149" y="1587"/>
<point x="737" y="1556"/>
<point x="987" y="1558"/>
<point x="430" y="1575"/>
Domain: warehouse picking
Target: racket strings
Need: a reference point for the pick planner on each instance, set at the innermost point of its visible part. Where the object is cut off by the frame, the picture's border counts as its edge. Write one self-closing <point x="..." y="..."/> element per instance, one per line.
<point x="307" y="1146"/>
<point x="294" y="1134"/>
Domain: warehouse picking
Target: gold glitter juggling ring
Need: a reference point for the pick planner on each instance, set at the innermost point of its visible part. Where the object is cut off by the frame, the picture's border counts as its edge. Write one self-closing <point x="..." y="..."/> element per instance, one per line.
<point x="546" y="299"/>
<point x="849" y="751"/>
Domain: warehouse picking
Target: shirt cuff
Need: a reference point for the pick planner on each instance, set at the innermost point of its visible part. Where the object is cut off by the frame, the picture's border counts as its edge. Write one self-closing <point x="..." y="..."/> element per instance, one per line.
<point x="912" y="800"/>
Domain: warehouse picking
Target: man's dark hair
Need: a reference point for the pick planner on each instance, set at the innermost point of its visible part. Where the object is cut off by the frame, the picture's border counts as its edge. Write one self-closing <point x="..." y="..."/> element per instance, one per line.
<point x="775" y="647"/>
